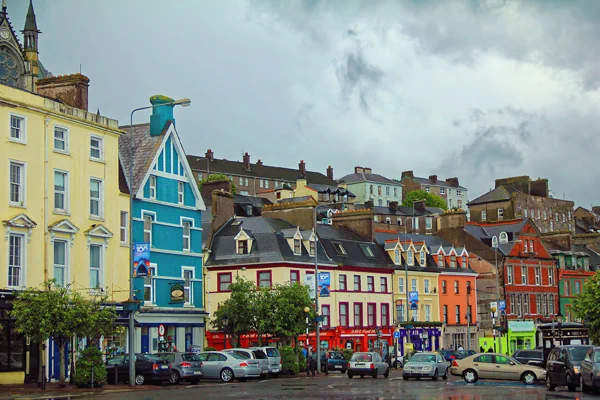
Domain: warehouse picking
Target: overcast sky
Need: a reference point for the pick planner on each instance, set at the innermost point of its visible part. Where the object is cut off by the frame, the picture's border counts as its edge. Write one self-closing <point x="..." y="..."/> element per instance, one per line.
<point x="474" y="89"/>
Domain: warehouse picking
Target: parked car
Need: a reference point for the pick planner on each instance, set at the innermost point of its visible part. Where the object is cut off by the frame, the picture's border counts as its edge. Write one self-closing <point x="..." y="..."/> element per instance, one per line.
<point x="531" y="357"/>
<point x="495" y="366"/>
<point x="426" y="365"/>
<point x="563" y="367"/>
<point x="449" y="356"/>
<point x="590" y="371"/>
<point x="195" y="348"/>
<point x="228" y="366"/>
<point x="259" y="355"/>
<point x="184" y="366"/>
<point x="368" y="364"/>
<point x="274" y="359"/>
<point x="335" y="361"/>
<point x="148" y="367"/>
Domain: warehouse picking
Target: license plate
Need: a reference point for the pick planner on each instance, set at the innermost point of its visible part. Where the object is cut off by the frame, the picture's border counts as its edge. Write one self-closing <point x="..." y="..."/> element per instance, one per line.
<point x="275" y="369"/>
<point x="359" y="365"/>
<point x="164" y="366"/>
<point x="197" y="372"/>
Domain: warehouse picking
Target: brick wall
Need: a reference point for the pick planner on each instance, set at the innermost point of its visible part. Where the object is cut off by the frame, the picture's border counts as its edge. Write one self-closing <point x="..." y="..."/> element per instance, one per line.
<point x="69" y="89"/>
<point x="360" y="222"/>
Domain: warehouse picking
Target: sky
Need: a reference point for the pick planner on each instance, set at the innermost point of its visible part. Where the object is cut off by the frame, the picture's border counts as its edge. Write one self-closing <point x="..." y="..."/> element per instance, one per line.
<point x="474" y="89"/>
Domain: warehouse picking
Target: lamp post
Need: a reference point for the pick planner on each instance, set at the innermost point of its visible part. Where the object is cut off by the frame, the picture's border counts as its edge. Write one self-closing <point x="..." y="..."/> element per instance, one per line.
<point x="495" y="246"/>
<point x="225" y="323"/>
<point x="317" y="333"/>
<point x="184" y="103"/>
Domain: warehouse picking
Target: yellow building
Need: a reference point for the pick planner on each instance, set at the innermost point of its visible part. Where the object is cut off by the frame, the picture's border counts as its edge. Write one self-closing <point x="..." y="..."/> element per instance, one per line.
<point x="63" y="215"/>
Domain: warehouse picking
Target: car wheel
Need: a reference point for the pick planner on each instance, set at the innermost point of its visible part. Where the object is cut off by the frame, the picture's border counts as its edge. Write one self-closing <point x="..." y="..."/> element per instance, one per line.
<point x="387" y="373"/>
<point x="528" y="378"/>
<point x="362" y="376"/>
<point x="263" y="376"/>
<point x="174" y="378"/>
<point x="470" y="376"/>
<point x="549" y="385"/>
<point x="570" y="384"/>
<point x="343" y="371"/>
<point x="435" y="375"/>
<point x="445" y="376"/>
<point x="374" y="374"/>
<point x="139" y="379"/>
<point x="350" y="375"/>
<point x="405" y="378"/>
<point x="395" y="365"/>
<point x="226" y="375"/>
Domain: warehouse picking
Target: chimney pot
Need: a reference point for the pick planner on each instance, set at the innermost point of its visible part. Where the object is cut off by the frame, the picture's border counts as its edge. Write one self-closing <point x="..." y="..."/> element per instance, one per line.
<point x="368" y="170"/>
<point x="209" y="155"/>
<point x="259" y="162"/>
<point x="452" y="182"/>
<point x="358" y="170"/>
<point x="433" y="178"/>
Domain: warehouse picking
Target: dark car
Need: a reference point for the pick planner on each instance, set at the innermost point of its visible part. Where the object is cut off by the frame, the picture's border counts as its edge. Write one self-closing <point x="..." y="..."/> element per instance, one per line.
<point x="590" y="371"/>
<point x="148" y="367"/>
<point x="530" y="357"/>
<point x="563" y="367"/>
<point x="184" y="366"/>
<point x="335" y="361"/>
<point x="450" y="355"/>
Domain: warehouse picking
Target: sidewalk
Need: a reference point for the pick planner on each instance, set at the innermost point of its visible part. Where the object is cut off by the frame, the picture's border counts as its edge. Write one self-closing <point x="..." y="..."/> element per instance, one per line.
<point x="54" y="390"/>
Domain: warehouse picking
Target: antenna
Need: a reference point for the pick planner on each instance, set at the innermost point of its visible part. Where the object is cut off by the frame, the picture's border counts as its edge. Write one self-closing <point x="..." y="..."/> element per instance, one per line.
<point x="80" y="69"/>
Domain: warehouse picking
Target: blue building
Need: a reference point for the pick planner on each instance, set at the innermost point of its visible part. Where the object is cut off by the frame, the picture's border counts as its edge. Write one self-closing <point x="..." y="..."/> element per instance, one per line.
<point x="166" y="213"/>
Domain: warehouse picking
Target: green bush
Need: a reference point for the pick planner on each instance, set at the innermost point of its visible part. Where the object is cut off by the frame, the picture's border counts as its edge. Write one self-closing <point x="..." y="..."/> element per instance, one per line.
<point x="348" y="354"/>
<point x="83" y="368"/>
<point x="301" y="362"/>
<point x="289" y="365"/>
<point x="209" y="348"/>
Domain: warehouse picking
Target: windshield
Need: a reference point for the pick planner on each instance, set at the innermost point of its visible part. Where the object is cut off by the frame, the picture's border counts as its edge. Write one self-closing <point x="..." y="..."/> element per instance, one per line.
<point x="423" y="358"/>
<point x="362" y="357"/>
<point x="336" y="356"/>
<point x="273" y="352"/>
<point x="577" y="353"/>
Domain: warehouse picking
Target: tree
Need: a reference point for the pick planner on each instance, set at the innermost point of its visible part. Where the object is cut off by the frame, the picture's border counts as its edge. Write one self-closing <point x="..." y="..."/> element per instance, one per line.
<point x="587" y="306"/>
<point x="236" y="310"/>
<point x="431" y="200"/>
<point x="218" y="177"/>
<point x="289" y="319"/>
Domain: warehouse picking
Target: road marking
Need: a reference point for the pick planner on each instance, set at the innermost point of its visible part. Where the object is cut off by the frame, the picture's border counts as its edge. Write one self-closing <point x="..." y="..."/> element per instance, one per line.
<point x="262" y="381"/>
<point x="394" y="379"/>
<point x="330" y="387"/>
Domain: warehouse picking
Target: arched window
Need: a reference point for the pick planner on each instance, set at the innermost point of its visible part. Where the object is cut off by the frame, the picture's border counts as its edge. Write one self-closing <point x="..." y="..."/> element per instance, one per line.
<point x="503" y="237"/>
<point x="494" y="242"/>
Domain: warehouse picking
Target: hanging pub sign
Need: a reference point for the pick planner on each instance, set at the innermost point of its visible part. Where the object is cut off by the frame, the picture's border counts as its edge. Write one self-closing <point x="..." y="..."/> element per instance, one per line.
<point x="177" y="293"/>
<point x="141" y="259"/>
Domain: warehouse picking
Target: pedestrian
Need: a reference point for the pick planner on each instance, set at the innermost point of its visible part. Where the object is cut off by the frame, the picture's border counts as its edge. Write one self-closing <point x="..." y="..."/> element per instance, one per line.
<point x="490" y="350"/>
<point x="460" y="348"/>
<point x="481" y="349"/>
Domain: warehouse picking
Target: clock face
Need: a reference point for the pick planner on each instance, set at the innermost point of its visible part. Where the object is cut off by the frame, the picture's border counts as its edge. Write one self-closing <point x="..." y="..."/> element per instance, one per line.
<point x="4" y="34"/>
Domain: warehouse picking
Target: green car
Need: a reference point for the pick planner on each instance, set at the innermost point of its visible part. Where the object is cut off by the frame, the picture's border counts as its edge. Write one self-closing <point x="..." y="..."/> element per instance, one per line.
<point x="425" y="365"/>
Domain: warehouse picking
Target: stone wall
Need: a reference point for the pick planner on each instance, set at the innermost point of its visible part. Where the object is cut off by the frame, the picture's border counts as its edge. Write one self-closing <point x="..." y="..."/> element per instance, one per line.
<point x="68" y="89"/>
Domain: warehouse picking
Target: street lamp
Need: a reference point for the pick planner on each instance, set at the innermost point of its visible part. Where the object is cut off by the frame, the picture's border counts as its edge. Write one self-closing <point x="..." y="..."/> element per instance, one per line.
<point x="185" y="102"/>
<point x="306" y="311"/>
<point x="225" y="323"/>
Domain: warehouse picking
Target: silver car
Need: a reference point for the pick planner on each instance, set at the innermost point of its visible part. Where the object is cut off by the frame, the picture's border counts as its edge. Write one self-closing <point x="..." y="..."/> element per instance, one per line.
<point x="184" y="367"/>
<point x="426" y="365"/>
<point x="228" y="366"/>
<point x="369" y="363"/>
<point x="274" y="359"/>
<point x="258" y="355"/>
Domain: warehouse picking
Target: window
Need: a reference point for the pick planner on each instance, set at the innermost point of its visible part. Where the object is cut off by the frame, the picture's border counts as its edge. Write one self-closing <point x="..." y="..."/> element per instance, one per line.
<point x="577" y="288"/>
<point x="538" y="303"/>
<point x="366" y="250"/>
<point x="422" y="258"/>
<point x="297" y="247"/>
<point x="379" y="190"/>
<point x="426" y="286"/>
<point x="358" y="321"/>
<point x="180" y="193"/>
<point x="387" y="190"/>
<point x="380" y="202"/>
<point x="556" y="217"/>
<point x="567" y="288"/>
<point x="563" y="218"/>
<point x="427" y="189"/>
<point x="525" y="213"/>
<point x="519" y="306"/>
<point x="551" y="305"/>
<point x="400" y="313"/>
<point x="551" y="225"/>
<point x="17" y="129"/>
<point x="442" y="190"/>
<point x="545" y="215"/>
<point x="388" y="220"/>
<point x="416" y="223"/>
<point x="312" y="246"/>
<point x="440" y="262"/>
<point x="95" y="266"/>
<point x="148" y="228"/>
<point x="325" y="312"/>
<point x="264" y="279"/>
<point x="383" y="284"/>
<point x="266" y="184"/>
<point x="148" y="284"/>
<point x="242" y="246"/>
<point x="401" y="285"/>
<point x="531" y="246"/>
<point x="452" y="261"/>
<point x="357" y="283"/>
<point x="456" y="287"/>
<point x="445" y="312"/>
<point x="188" y="276"/>
<point x="96" y="207"/>
<point x="152" y="185"/>
<point x="427" y="312"/>
<point x="457" y="315"/>
<point x="260" y="183"/>
<point x="344" y="314"/>
<point x="395" y="192"/>
<point x="444" y="289"/>
<point x="17" y="183"/>
<point x="409" y="257"/>
<point x="509" y="274"/>
<point x="415" y="315"/>
<point x="525" y="304"/>
<point x="60" y="191"/>
<point x="428" y="223"/>
<point x="551" y="276"/>
<point x="186" y="231"/>
<point x="60" y="262"/>
<point x="15" y="260"/>
<point x="339" y="249"/>
<point x="503" y="237"/>
<point x="371" y="189"/>
<point x="61" y="139"/>
<point x="224" y="281"/>
<point x="538" y="277"/>
<point x="96" y="148"/>
<point x="342" y="283"/>
<point x="123" y="224"/>
<point x="500" y="213"/>
<point x="523" y="275"/>
<point x="396" y="256"/>
<point x="385" y="314"/>
<point x="294" y="276"/>
<point x="371" y="315"/>
<point x="414" y="285"/>
<point x="370" y="284"/>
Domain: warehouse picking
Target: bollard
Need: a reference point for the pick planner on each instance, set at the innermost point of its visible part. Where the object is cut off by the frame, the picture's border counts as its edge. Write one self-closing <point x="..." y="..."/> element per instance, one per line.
<point x="43" y="377"/>
<point x="92" y="382"/>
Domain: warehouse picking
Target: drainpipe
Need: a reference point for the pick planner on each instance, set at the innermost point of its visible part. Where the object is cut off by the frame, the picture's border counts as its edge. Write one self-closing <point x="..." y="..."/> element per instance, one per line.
<point x="46" y="179"/>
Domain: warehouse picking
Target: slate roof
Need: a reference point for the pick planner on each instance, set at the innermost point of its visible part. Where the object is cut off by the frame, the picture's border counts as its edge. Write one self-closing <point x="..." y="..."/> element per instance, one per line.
<point x="228" y="167"/>
<point x="249" y="206"/>
<point x="144" y="150"/>
<point x="331" y="189"/>
<point x="501" y="193"/>
<point x="441" y="183"/>
<point x="363" y="177"/>
<point x="352" y="243"/>
<point x="486" y="232"/>
<point x="402" y="211"/>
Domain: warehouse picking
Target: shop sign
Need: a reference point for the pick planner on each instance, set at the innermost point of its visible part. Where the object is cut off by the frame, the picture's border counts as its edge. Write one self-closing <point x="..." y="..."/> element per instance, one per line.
<point x="521" y="326"/>
<point x="141" y="259"/>
<point x="177" y="294"/>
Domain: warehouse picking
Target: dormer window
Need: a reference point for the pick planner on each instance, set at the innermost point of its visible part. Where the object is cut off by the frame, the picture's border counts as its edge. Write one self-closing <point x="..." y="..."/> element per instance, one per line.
<point x="297" y="247"/>
<point x="422" y="261"/>
<point x="396" y="256"/>
<point x="453" y="262"/>
<point x="494" y="242"/>
<point x="409" y="257"/>
<point x="503" y="237"/>
<point x="339" y="249"/>
<point x="440" y="260"/>
<point x="242" y="246"/>
<point x="313" y="246"/>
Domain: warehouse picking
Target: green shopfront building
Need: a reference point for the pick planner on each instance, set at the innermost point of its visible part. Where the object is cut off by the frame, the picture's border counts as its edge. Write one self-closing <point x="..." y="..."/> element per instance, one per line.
<point x="521" y="335"/>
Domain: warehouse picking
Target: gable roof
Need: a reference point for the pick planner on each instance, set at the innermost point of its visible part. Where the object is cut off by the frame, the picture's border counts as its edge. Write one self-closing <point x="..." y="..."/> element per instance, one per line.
<point x="145" y="148"/>
<point x="440" y="183"/>
<point x="228" y="167"/>
<point x="363" y="177"/>
<point x="331" y="189"/>
<point x="501" y="193"/>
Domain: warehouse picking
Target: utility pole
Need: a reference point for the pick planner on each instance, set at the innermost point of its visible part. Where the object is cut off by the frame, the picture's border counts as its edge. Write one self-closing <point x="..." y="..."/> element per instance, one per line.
<point x="318" y="335"/>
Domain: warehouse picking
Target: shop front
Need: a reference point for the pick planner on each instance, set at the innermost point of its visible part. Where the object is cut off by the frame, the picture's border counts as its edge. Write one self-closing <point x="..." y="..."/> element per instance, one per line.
<point x="421" y="338"/>
<point x="456" y="337"/>
<point x="521" y="335"/>
<point x="162" y="330"/>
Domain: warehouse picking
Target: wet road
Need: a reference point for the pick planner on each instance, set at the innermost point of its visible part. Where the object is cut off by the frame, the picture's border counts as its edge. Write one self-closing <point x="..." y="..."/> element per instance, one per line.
<point x="336" y="386"/>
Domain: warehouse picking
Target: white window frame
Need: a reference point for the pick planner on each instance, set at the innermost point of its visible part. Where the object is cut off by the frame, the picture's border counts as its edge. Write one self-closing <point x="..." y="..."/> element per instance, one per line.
<point x="401" y="285"/>
<point x="22" y="259"/>
<point x="538" y="276"/>
<point x="152" y="186"/>
<point x="414" y="285"/>
<point x="422" y="258"/>
<point x="150" y="278"/>
<point x="66" y="200"/>
<point x="100" y="148"/>
<point x="123" y="229"/>
<point x="100" y="199"/>
<point x="65" y="139"/>
<point x="501" y="213"/>
<point x="426" y="286"/>
<point x="409" y="258"/>
<point x="483" y="215"/>
<point x="181" y="193"/>
<point x="100" y="267"/>
<point x="152" y="217"/>
<point x="428" y="223"/>
<point x="185" y="222"/>
<point x="442" y="190"/>
<point x="551" y="276"/>
<point x="509" y="273"/>
<point x="427" y="189"/>
<point x="22" y="201"/>
<point x="298" y="244"/>
<point x="23" y="128"/>
<point x="65" y="266"/>
<point x="524" y="277"/>
<point x="190" y="288"/>
<point x="458" y="192"/>
<point x="427" y="312"/>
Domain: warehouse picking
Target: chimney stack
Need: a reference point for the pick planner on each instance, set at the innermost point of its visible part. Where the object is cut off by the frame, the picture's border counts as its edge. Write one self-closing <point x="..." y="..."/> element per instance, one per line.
<point x="330" y="173"/>
<point x="71" y="90"/>
<point x="259" y="162"/>
<point x="407" y="173"/>
<point x="419" y="205"/>
<point x="358" y="170"/>
<point x="247" y="161"/>
<point x="433" y="178"/>
<point x="394" y="206"/>
<point x="209" y="155"/>
<point x="368" y="170"/>
<point x="452" y="182"/>
<point x="453" y="220"/>
<point x="302" y="168"/>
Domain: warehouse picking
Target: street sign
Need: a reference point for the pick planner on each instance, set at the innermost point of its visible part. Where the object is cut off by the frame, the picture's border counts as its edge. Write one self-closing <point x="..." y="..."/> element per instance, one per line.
<point x="502" y="305"/>
<point x="396" y="335"/>
<point x="161" y="330"/>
